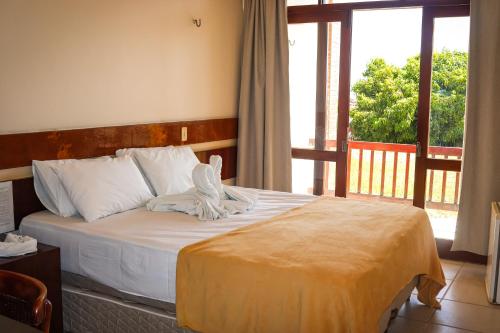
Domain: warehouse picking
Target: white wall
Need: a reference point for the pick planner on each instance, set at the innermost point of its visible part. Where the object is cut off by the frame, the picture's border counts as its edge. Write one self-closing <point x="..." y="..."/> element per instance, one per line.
<point x="88" y="63"/>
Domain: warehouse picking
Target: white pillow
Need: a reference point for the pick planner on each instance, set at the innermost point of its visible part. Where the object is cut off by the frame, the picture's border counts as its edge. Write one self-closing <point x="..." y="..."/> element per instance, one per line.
<point x="99" y="188"/>
<point x="168" y="170"/>
<point x="133" y="151"/>
<point x="49" y="188"/>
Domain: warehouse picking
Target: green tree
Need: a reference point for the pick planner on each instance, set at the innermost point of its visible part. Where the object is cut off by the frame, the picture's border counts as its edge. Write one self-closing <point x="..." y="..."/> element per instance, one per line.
<point x="387" y="100"/>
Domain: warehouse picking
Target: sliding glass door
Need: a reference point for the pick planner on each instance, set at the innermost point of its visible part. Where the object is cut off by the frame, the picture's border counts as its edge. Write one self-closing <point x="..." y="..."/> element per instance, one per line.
<point x="441" y="110"/>
<point x="384" y="97"/>
<point x="319" y="93"/>
<point x="378" y="100"/>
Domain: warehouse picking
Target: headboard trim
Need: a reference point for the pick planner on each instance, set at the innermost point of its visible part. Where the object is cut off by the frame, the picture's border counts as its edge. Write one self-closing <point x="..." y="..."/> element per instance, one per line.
<point x="18" y="150"/>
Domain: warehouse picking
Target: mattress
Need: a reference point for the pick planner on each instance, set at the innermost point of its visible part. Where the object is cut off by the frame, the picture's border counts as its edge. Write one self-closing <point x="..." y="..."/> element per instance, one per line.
<point x="135" y="252"/>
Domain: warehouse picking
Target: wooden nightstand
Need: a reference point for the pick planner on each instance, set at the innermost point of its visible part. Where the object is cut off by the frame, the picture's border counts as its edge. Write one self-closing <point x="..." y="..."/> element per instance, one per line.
<point x="45" y="266"/>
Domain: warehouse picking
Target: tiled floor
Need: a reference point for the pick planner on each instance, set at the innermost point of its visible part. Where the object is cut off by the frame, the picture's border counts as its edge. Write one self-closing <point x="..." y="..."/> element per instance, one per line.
<point x="464" y="307"/>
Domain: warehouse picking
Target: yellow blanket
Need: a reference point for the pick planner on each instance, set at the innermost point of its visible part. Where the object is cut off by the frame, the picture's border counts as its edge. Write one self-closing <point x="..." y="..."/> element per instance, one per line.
<point x="333" y="265"/>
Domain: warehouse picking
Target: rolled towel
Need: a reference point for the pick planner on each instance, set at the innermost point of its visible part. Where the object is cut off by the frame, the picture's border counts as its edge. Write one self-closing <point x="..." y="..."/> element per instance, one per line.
<point x="208" y="200"/>
<point x="185" y="202"/>
<point x="247" y="196"/>
<point x="216" y="164"/>
<point x="16" y="245"/>
<point x="243" y="198"/>
<point x="203" y="180"/>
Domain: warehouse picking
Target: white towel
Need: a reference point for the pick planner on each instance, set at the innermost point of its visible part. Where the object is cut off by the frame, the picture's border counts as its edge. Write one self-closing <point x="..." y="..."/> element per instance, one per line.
<point x="209" y="199"/>
<point x="16" y="245"/>
<point x="216" y="164"/>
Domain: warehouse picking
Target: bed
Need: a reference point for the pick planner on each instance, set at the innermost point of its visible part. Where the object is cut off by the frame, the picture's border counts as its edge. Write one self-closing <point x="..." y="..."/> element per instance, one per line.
<point x="124" y="265"/>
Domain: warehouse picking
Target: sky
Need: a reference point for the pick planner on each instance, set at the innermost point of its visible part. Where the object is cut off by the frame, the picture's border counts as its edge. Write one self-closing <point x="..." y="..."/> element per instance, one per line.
<point x="394" y="34"/>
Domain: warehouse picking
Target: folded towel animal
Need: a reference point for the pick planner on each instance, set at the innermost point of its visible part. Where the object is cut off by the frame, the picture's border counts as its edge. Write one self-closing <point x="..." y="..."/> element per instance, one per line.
<point x="209" y="199"/>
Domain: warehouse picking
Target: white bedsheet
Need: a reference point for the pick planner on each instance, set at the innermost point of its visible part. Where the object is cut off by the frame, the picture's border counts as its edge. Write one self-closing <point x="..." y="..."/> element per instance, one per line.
<point x="136" y="251"/>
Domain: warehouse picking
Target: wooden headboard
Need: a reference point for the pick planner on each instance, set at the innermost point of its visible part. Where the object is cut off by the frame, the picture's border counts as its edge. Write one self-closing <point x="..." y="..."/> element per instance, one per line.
<point x="207" y="137"/>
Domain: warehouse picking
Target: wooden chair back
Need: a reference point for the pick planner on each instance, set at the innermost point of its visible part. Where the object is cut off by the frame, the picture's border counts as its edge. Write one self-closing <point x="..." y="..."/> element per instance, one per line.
<point x="24" y="299"/>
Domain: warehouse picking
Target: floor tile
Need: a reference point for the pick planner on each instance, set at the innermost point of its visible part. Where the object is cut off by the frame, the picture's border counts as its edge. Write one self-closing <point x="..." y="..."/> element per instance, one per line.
<point x="469" y="286"/>
<point x="468" y="316"/>
<point x="472" y="271"/>
<point x="415" y="310"/>
<point x="433" y="328"/>
<point x="403" y="325"/>
<point x="442" y="292"/>
<point x="451" y="268"/>
<point x="468" y="291"/>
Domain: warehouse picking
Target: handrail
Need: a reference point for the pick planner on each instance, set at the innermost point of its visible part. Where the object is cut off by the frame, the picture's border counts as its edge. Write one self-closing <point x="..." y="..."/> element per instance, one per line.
<point x="399" y="147"/>
<point x="408" y="150"/>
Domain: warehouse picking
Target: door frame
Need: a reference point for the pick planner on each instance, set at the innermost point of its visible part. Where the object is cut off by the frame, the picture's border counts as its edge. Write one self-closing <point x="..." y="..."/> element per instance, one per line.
<point x="324" y="12"/>
<point x="319" y="154"/>
<point x="423" y="162"/>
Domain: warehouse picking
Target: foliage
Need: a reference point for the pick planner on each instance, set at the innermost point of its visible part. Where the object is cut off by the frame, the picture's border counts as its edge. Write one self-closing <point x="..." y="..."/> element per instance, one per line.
<point x="387" y="101"/>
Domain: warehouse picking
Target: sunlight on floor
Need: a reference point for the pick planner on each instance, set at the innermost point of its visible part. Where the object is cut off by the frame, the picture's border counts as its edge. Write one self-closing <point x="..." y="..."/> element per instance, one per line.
<point x="443" y="222"/>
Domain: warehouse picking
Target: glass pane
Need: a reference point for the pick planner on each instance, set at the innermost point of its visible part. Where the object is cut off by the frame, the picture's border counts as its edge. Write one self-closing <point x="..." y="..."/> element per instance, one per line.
<point x="303" y="50"/>
<point x="385" y="75"/>
<point x="302" y="176"/>
<point x="385" y="67"/>
<point x="330" y="169"/>
<point x="332" y="85"/>
<point x="449" y="81"/>
<point x="442" y="195"/>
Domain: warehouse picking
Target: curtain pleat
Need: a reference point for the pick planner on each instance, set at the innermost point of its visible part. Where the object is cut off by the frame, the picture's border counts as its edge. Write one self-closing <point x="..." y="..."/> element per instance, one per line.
<point x="481" y="160"/>
<point x="264" y="148"/>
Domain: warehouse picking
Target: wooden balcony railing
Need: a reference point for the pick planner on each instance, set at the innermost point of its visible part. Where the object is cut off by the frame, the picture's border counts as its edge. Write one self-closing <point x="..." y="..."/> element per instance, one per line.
<point x="435" y="178"/>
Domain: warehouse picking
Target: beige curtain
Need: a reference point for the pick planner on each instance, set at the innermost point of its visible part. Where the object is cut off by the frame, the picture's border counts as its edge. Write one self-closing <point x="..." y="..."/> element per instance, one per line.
<point x="481" y="160"/>
<point x="264" y="153"/>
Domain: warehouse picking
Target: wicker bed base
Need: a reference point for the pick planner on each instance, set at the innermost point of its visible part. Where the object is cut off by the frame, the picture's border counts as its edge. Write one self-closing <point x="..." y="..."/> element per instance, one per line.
<point x="85" y="311"/>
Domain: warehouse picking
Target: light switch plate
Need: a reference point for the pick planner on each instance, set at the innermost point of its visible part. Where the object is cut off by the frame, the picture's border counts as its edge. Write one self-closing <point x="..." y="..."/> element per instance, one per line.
<point x="184" y="134"/>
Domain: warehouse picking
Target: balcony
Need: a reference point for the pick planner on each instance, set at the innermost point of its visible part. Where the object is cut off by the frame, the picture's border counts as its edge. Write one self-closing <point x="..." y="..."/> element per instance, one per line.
<point x="385" y="171"/>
